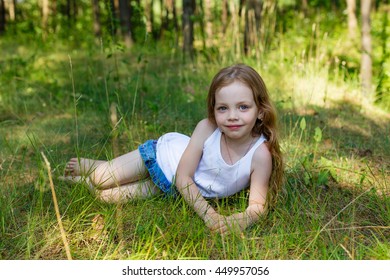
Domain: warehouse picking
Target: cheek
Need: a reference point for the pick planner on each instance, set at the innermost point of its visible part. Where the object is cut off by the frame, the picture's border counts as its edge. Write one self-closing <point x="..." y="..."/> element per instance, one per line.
<point x="217" y="117"/>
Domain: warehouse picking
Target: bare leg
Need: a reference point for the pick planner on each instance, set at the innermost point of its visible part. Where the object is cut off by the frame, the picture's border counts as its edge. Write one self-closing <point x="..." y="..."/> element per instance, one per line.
<point x="139" y="190"/>
<point x="122" y="170"/>
<point x="81" y="166"/>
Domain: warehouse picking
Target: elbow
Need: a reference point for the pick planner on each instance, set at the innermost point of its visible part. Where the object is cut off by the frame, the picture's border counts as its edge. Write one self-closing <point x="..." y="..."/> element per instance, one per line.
<point x="182" y="182"/>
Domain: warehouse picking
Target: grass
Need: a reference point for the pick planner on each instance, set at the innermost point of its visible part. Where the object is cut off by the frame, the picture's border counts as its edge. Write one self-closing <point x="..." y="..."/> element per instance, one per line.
<point x="335" y="203"/>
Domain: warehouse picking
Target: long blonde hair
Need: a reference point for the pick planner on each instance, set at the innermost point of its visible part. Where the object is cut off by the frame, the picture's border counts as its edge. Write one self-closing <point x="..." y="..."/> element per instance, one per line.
<point x="266" y="126"/>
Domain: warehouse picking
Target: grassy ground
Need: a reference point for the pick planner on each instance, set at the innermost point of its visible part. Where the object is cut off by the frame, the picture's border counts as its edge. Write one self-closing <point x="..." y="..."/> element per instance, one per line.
<point x="335" y="203"/>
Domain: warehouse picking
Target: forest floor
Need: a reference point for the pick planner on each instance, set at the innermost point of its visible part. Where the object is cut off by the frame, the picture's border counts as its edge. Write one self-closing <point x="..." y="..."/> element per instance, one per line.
<point x="335" y="203"/>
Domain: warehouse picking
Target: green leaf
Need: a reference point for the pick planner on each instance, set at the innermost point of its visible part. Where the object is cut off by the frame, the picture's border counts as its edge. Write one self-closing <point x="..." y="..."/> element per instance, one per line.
<point x="302" y="124"/>
<point x="317" y="135"/>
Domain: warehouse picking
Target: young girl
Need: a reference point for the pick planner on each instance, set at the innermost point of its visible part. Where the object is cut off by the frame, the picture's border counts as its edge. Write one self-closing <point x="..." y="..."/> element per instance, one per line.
<point x="236" y="146"/>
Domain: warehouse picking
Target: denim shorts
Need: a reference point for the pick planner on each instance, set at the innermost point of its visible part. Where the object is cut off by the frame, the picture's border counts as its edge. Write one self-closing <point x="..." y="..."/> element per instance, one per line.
<point x="148" y="154"/>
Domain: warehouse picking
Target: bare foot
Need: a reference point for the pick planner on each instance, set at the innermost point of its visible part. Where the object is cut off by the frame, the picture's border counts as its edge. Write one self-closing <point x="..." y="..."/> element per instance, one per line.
<point x="81" y="166"/>
<point x="78" y="180"/>
<point x="72" y="179"/>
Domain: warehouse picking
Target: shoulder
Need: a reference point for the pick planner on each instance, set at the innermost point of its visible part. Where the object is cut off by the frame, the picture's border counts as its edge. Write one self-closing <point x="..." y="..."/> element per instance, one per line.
<point x="207" y="125"/>
<point x="262" y="158"/>
<point x="193" y="152"/>
<point x="203" y="130"/>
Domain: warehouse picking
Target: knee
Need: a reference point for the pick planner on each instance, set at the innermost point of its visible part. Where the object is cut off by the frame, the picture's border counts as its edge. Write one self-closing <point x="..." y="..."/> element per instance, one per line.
<point x="100" y="178"/>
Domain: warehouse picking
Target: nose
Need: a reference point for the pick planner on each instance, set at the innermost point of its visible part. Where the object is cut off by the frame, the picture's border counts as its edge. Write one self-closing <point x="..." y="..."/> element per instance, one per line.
<point x="232" y="115"/>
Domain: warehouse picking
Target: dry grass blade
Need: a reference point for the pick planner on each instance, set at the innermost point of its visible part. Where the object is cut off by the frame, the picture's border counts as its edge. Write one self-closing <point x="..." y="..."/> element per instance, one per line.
<point x="57" y="210"/>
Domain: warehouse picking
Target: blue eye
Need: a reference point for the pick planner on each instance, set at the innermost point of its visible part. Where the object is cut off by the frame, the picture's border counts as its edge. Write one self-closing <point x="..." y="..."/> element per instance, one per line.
<point x="244" y="107"/>
<point x="222" y="108"/>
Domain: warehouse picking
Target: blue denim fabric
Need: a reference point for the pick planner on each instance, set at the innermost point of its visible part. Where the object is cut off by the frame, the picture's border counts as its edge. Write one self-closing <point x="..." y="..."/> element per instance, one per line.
<point x="148" y="154"/>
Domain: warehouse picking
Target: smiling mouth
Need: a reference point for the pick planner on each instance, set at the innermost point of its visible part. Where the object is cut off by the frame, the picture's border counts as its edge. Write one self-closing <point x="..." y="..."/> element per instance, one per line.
<point x="233" y="127"/>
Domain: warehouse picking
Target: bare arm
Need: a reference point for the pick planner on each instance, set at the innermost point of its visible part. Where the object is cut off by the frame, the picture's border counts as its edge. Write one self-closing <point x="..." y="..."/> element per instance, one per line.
<point x="261" y="172"/>
<point x="186" y="170"/>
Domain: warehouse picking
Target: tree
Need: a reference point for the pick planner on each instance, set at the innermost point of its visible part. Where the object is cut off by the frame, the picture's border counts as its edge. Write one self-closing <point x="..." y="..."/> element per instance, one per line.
<point x="11" y="9"/>
<point x="352" y="21"/>
<point x="188" y="27"/>
<point x="2" y="17"/>
<point x="224" y="15"/>
<point x="366" y="59"/>
<point x="252" y="24"/>
<point x="169" y="21"/>
<point x="112" y="6"/>
<point x="124" y="16"/>
<point x="150" y="24"/>
<point x="97" y="28"/>
<point x="304" y="6"/>
<point x="45" y="17"/>
<point x="71" y="12"/>
<point x="209" y="24"/>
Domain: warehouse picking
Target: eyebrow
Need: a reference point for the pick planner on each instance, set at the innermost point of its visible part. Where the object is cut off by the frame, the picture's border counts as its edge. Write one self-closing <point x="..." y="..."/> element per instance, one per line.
<point x="238" y="103"/>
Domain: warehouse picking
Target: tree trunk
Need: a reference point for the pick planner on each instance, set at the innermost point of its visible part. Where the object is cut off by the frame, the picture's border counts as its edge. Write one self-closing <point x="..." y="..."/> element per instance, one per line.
<point x="383" y="87"/>
<point x="115" y="16"/>
<point x="209" y="22"/>
<point x="225" y="15"/>
<point x="68" y="12"/>
<point x="2" y="17"/>
<point x="97" y="27"/>
<point x="71" y="12"/>
<point x="124" y="16"/>
<point x="201" y="24"/>
<point x="169" y="20"/>
<point x="149" y="16"/>
<point x="163" y="19"/>
<point x="11" y="9"/>
<point x="304" y="6"/>
<point x="352" y="21"/>
<point x="175" y="21"/>
<point x="45" y="17"/>
<point x="252" y="24"/>
<point x="188" y="27"/>
<point x="366" y="59"/>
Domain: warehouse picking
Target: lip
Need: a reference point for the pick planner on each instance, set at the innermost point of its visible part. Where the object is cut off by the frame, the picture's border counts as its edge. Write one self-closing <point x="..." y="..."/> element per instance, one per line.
<point x="233" y="127"/>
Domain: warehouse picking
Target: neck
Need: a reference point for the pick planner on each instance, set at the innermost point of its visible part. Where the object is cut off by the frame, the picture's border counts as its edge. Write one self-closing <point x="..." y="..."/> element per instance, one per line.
<point x="239" y="142"/>
<point x="237" y="149"/>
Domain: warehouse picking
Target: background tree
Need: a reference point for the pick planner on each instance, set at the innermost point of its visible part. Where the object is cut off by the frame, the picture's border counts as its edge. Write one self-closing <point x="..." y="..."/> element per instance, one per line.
<point x="352" y="20"/>
<point x="170" y="21"/>
<point x="224" y="15"/>
<point x="252" y="24"/>
<point x="97" y="28"/>
<point x="366" y="59"/>
<point x="188" y="27"/>
<point x="11" y="4"/>
<point x="124" y="15"/>
<point x="208" y="22"/>
<point x="71" y="12"/>
<point x="304" y="6"/>
<point x="45" y="17"/>
<point x="2" y="17"/>
<point x="383" y="87"/>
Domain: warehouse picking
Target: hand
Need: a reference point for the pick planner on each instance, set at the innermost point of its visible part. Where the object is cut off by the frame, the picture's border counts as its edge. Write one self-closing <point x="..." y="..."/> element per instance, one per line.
<point x="237" y="223"/>
<point x="214" y="221"/>
<point x="225" y="225"/>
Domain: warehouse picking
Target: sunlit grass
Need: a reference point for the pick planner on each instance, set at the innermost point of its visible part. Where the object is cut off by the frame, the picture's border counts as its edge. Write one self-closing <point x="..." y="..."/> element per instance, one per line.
<point x="334" y="204"/>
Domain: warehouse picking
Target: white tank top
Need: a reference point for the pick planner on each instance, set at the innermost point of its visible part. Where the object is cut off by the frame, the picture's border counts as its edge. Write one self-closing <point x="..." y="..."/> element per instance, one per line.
<point x="214" y="177"/>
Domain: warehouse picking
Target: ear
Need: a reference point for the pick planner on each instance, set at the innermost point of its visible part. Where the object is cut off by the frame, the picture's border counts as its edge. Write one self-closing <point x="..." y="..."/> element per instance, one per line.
<point x="260" y="116"/>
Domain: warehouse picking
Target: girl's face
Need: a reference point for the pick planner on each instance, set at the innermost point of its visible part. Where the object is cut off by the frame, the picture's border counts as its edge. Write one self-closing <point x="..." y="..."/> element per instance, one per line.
<point x="236" y="111"/>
